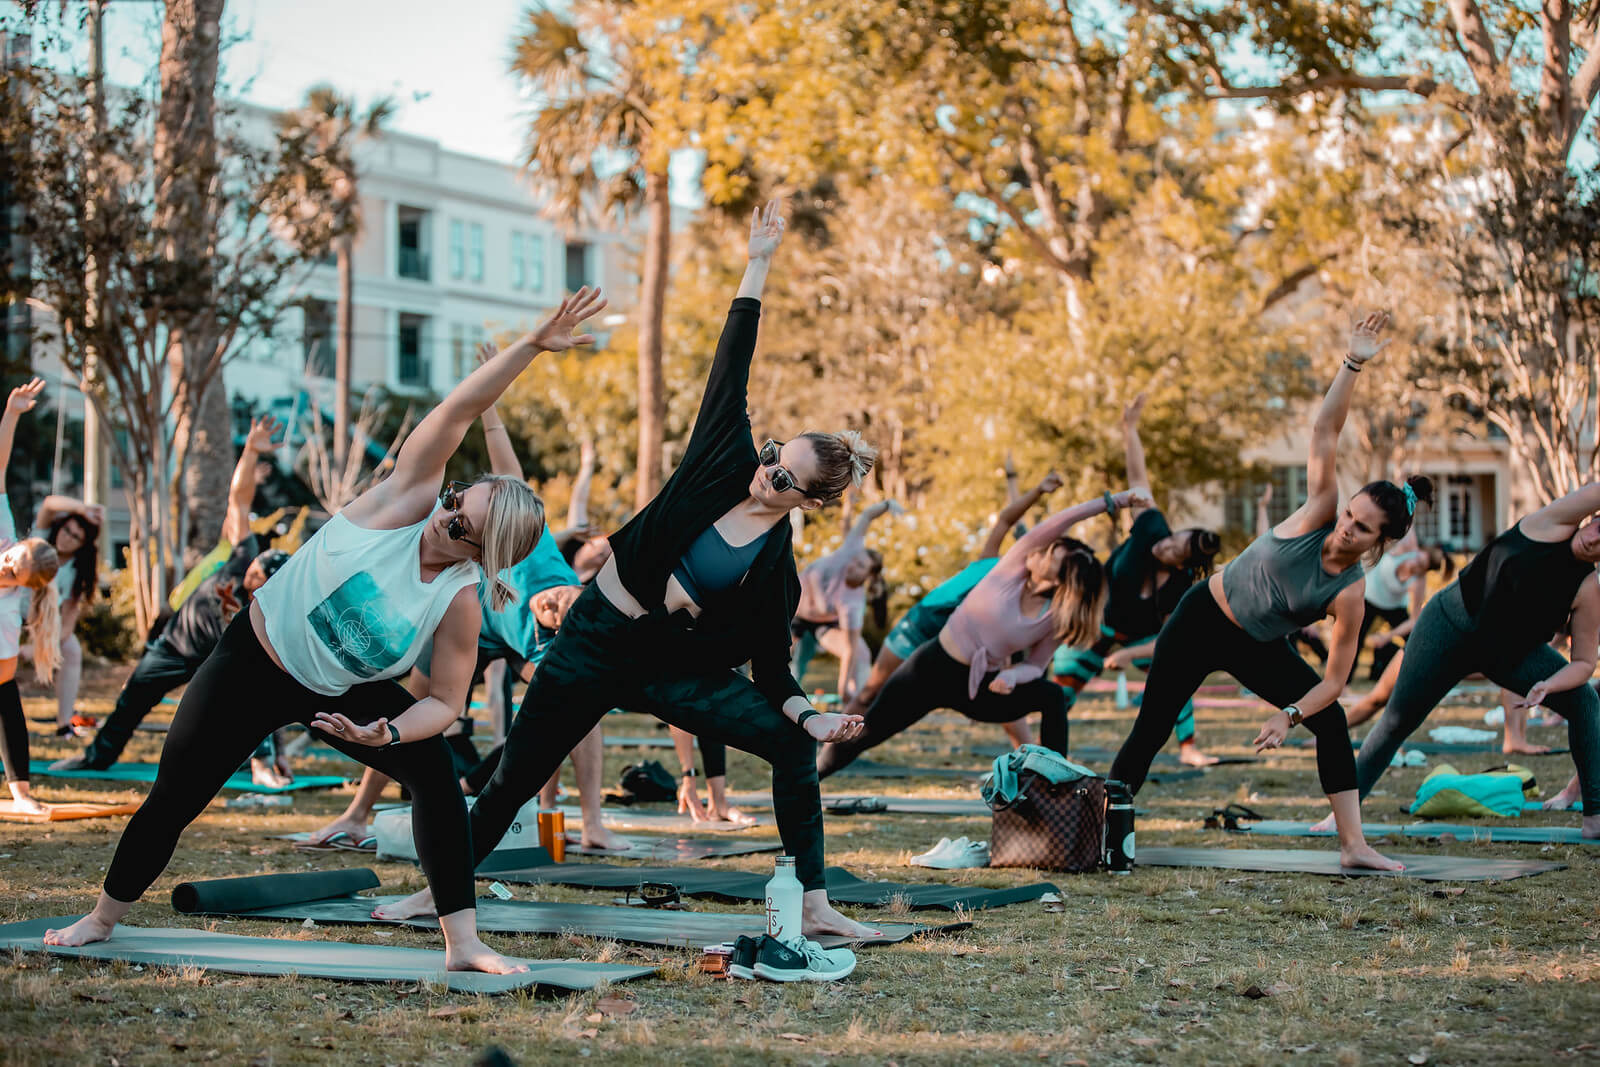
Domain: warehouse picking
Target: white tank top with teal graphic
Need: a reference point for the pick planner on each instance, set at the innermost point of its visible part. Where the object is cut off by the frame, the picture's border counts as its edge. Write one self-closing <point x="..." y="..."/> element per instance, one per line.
<point x="351" y="606"/>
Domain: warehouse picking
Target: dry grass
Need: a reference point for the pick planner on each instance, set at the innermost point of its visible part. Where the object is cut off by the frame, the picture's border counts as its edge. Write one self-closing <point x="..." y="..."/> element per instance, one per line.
<point x="1151" y="968"/>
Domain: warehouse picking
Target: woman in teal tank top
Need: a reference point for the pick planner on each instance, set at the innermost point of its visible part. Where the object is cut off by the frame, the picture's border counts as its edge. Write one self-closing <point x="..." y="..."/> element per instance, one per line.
<point x="1307" y="567"/>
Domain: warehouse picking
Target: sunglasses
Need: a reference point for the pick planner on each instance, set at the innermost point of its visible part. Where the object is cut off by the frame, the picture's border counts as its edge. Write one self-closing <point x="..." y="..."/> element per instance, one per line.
<point x="451" y="499"/>
<point x="783" y="479"/>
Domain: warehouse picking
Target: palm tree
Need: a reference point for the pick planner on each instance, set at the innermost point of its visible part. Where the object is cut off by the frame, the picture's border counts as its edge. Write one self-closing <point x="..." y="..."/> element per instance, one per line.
<point x="322" y="136"/>
<point x="595" y="148"/>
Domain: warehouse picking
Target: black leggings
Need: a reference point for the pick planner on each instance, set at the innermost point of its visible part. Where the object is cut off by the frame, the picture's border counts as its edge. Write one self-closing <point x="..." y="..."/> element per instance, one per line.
<point x="1370" y="614"/>
<point x="13" y="733"/>
<point x="1199" y="639"/>
<point x="240" y="696"/>
<point x="597" y="662"/>
<point x="932" y="678"/>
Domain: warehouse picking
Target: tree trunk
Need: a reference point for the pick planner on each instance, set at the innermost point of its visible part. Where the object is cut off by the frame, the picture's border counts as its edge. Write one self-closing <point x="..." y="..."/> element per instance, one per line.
<point x="186" y="170"/>
<point x="652" y="307"/>
<point x="344" y="250"/>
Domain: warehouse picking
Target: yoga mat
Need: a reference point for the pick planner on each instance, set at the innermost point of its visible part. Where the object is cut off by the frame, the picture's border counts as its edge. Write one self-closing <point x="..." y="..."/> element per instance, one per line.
<point x="233" y="954"/>
<point x="682" y="849"/>
<point x="146" y="772"/>
<point x="62" y="812"/>
<point x="634" y="818"/>
<point x="1433" y="831"/>
<point x="1096" y="754"/>
<point x="843" y="887"/>
<point x="640" y="926"/>
<point x="1442" y="748"/>
<point x="866" y="768"/>
<point x="1303" y="861"/>
<point x="638" y="742"/>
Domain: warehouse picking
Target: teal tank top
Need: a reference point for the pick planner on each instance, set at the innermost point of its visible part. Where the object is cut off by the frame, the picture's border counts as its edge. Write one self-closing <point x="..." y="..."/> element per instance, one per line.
<point x="1277" y="585"/>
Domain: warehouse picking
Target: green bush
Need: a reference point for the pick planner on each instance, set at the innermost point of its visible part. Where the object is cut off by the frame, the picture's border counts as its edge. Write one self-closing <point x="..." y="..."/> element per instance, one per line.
<point x="107" y="628"/>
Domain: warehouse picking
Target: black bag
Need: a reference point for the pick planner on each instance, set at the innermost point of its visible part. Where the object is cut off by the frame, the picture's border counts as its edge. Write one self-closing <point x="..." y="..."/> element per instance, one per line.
<point x="1051" y="827"/>
<point x="647" y="781"/>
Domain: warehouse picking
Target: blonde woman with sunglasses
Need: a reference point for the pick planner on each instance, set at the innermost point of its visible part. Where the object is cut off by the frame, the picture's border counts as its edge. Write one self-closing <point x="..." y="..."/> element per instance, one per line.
<point x="328" y="635"/>
<point x="701" y="581"/>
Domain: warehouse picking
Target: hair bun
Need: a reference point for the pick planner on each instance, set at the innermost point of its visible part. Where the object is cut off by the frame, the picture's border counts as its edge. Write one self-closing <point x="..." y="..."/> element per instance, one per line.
<point x="862" y="455"/>
<point x="1422" y="486"/>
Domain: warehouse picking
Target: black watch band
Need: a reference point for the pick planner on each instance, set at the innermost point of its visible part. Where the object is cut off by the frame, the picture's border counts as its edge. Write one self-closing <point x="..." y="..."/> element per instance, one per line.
<point x="689" y="772"/>
<point x="394" y="734"/>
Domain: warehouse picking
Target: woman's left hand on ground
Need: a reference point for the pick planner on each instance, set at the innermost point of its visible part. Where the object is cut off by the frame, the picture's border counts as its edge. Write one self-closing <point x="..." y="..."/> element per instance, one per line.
<point x="834" y="726"/>
<point x="374" y="734"/>
<point x="1272" y="732"/>
<point x="1535" y="695"/>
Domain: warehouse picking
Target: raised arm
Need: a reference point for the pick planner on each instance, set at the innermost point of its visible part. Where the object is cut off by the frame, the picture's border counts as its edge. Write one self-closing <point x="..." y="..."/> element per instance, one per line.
<point x="502" y="457"/>
<point x="407" y="494"/>
<point x="1138" y="476"/>
<point x="1560" y="519"/>
<point x="578" y="506"/>
<point x="23" y="398"/>
<point x="1062" y="521"/>
<point x="1263" y="514"/>
<point x="242" y="487"/>
<point x="1322" y="484"/>
<point x="54" y="506"/>
<point x="858" y="531"/>
<point x="1016" y="507"/>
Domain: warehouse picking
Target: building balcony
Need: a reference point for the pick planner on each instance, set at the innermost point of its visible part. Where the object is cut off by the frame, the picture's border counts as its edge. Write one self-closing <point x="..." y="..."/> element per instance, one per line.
<point x="413" y="264"/>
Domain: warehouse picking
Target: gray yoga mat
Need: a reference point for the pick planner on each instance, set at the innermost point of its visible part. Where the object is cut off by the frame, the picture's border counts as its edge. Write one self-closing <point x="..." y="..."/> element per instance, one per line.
<point x="639" y="926"/>
<point x="1305" y="861"/>
<point x="685" y="849"/>
<point x="866" y="768"/>
<point x="896" y="805"/>
<point x="1432" y="831"/>
<point x="843" y="887"/>
<point x="627" y="817"/>
<point x="233" y="954"/>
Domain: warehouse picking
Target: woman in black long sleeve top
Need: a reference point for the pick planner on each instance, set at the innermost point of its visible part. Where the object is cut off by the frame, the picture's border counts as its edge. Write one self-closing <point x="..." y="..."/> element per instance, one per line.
<point x="701" y="581"/>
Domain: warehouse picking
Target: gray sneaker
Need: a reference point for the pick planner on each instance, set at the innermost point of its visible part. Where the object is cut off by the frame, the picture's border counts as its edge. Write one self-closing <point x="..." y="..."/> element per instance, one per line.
<point x="800" y="960"/>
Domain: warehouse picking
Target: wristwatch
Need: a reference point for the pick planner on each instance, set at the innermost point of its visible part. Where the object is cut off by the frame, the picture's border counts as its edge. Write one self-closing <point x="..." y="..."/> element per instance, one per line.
<point x="394" y="735"/>
<point x="1295" y="718"/>
<point x="689" y="772"/>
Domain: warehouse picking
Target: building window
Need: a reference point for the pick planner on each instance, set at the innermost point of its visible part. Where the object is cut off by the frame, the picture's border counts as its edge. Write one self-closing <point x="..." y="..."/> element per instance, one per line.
<point x="536" y="260"/>
<point x="458" y="249"/>
<point x="1288" y="493"/>
<point x="475" y="251"/>
<point x="519" y="263"/>
<point x="577" y="265"/>
<point x="460" y="363"/>
<point x="316" y="339"/>
<point x="412" y="243"/>
<point x="412" y="368"/>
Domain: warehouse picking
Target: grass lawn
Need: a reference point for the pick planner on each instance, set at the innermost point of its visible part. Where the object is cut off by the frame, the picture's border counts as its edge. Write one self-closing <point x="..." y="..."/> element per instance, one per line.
<point x="1164" y="966"/>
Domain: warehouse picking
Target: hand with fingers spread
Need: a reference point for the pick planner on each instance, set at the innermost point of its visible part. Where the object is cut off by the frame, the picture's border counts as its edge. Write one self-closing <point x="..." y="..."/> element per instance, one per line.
<point x="1135" y="408"/>
<point x="25" y="397"/>
<point x="555" y="333"/>
<point x="262" y="431"/>
<point x="834" y="726"/>
<point x="766" y="230"/>
<point x="487" y="351"/>
<point x="1535" y="695"/>
<point x="374" y="734"/>
<point x="1366" y="338"/>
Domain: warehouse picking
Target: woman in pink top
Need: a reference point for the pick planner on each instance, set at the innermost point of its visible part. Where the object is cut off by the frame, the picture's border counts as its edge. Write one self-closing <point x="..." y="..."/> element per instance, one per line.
<point x="833" y="605"/>
<point x="1048" y="589"/>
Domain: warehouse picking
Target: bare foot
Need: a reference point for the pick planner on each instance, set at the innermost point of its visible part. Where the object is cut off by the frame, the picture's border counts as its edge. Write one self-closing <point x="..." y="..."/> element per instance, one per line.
<point x="1591" y="828"/>
<point x="85" y="931"/>
<point x="732" y="817"/>
<point x="1326" y="826"/>
<point x="1524" y="748"/>
<point x="344" y="824"/>
<point x="1565" y="800"/>
<point x="476" y="956"/>
<point x="1190" y="755"/>
<point x="600" y="837"/>
<point x="821" y="918"/>
<point x="281" y="764"/>
<point x="1364" y="855"/>
<point x="265" y="774"/>
<point x="24" y="803"/>
<point x="416" y="906"/>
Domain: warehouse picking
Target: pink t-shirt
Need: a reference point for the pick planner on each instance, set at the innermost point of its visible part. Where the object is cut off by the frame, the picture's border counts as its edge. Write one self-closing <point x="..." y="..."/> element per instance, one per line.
<point x="824" y="594"/>
<point x="989" y="626"/>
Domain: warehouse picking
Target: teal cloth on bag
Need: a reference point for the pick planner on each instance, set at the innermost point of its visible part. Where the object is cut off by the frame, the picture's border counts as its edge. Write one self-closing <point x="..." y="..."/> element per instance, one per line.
<point x="1001" y="784"/>
<point x="1448" y="794"/>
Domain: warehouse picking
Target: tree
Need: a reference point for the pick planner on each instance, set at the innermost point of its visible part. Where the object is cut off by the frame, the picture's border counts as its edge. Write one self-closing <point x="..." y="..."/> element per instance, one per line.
<point x="323" y="133"/>
<point x="595" y="147"/>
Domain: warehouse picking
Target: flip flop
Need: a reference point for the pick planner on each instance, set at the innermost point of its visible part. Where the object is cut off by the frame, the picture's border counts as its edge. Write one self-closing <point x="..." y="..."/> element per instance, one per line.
<point x="334" y="842"/>
<point x="365" y="844"/>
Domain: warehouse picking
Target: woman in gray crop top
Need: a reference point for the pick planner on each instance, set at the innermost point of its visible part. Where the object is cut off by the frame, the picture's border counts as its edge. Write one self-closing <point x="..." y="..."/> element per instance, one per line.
<point x="1307" y="567"/>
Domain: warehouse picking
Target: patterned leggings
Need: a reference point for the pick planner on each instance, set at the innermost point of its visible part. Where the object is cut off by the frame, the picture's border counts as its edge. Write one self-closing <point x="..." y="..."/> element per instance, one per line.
<point x="1075" y="668"/>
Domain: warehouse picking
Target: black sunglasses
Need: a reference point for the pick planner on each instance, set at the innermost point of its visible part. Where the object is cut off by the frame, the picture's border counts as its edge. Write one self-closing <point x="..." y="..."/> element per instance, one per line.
<point x="451" y="499"/>
<point x="783" y="479"/>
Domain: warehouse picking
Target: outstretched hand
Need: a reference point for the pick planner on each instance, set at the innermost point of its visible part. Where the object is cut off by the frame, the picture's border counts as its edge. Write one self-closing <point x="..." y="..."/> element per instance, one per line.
<point x="374" y="734"/>
<point x="1131" y="413"/>
<point x="1364" y="337"/>
<point x="487" y="351"/>
<point x="24" y="397"/>
<point x="1535" y="695"/>
<point x="262" y="431"/>
<point x="555" y="333"/>
<point x="766" y="230"/>
<point x="1140" y="498"/>
<point x="834" y="726"/>
<point x="1273" y="732"/>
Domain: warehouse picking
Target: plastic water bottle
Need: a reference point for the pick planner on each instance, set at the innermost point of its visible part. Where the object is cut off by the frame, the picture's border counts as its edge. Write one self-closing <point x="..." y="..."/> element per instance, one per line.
<point x="260" y="800"/>
<point x="785" y="901"/>
<point x="1119" y="827"/>
<point x="1122" y="690"/>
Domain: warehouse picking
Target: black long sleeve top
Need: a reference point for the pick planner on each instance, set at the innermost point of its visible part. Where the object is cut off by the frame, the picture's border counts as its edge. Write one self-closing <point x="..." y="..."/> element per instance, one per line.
<point x="750" y="621"/>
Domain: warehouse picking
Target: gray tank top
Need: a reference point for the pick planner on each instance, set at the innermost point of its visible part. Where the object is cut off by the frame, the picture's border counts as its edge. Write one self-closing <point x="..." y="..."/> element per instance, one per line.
<point x="1277" y="585"/>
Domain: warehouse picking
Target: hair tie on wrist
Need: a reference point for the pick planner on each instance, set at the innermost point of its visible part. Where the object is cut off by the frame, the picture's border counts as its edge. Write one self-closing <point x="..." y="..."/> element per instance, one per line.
<point x="1411" y="498"/>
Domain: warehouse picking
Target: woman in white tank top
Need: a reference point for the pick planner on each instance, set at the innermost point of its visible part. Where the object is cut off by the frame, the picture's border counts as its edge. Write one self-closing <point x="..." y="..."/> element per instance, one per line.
<point x="326" y="636"/>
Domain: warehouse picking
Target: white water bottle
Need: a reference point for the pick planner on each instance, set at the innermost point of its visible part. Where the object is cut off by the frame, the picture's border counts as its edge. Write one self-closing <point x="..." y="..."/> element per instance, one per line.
<point x="785" y="901"/>
<point x="1122" y="690"/>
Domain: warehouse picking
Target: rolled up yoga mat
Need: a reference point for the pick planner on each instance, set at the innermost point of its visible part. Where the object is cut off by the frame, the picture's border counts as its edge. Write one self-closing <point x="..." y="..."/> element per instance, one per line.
<point x="229" y="896"/>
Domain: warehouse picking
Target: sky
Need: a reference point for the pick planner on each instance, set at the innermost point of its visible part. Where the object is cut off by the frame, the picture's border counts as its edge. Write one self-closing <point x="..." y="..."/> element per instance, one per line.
<point x="444" y="64"/>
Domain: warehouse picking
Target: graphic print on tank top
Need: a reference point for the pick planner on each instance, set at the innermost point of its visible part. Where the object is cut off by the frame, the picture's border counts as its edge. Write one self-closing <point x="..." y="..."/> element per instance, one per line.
<point x="359" y="625"/>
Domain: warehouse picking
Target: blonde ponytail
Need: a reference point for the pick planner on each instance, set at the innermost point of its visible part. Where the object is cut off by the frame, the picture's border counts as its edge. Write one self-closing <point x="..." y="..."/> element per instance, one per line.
<point x="514" y="524"/>
<point x="1079" y="600"/>
<point x="44" y="630"/>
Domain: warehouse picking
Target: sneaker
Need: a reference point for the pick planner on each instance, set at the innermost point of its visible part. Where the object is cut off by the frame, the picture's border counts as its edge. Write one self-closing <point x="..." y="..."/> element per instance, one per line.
<point x="924" y="860"/>
<point x="84" y="725"/>
<point x="800" y="960"/>
<point x="744" y="957"/>
<point x="961" y="854"/>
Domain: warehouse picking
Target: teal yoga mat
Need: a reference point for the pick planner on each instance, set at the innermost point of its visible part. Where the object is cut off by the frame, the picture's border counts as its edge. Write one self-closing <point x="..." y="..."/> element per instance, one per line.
<point x="233" y="954"/>
<point x="1431" y="831"/>
<point x="146" y="772"/>
<point x="1307" y="861"/>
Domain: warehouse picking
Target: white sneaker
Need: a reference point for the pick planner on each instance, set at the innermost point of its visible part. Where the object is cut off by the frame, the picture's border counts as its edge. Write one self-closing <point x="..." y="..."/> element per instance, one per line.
<point x="944" y="849"/>
<point x="801" y="960"/>
<point x="959" y="855"/>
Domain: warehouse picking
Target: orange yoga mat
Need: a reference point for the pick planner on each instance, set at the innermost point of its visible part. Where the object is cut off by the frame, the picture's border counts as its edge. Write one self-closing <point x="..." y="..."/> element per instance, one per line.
<point x="60" y="812"/>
